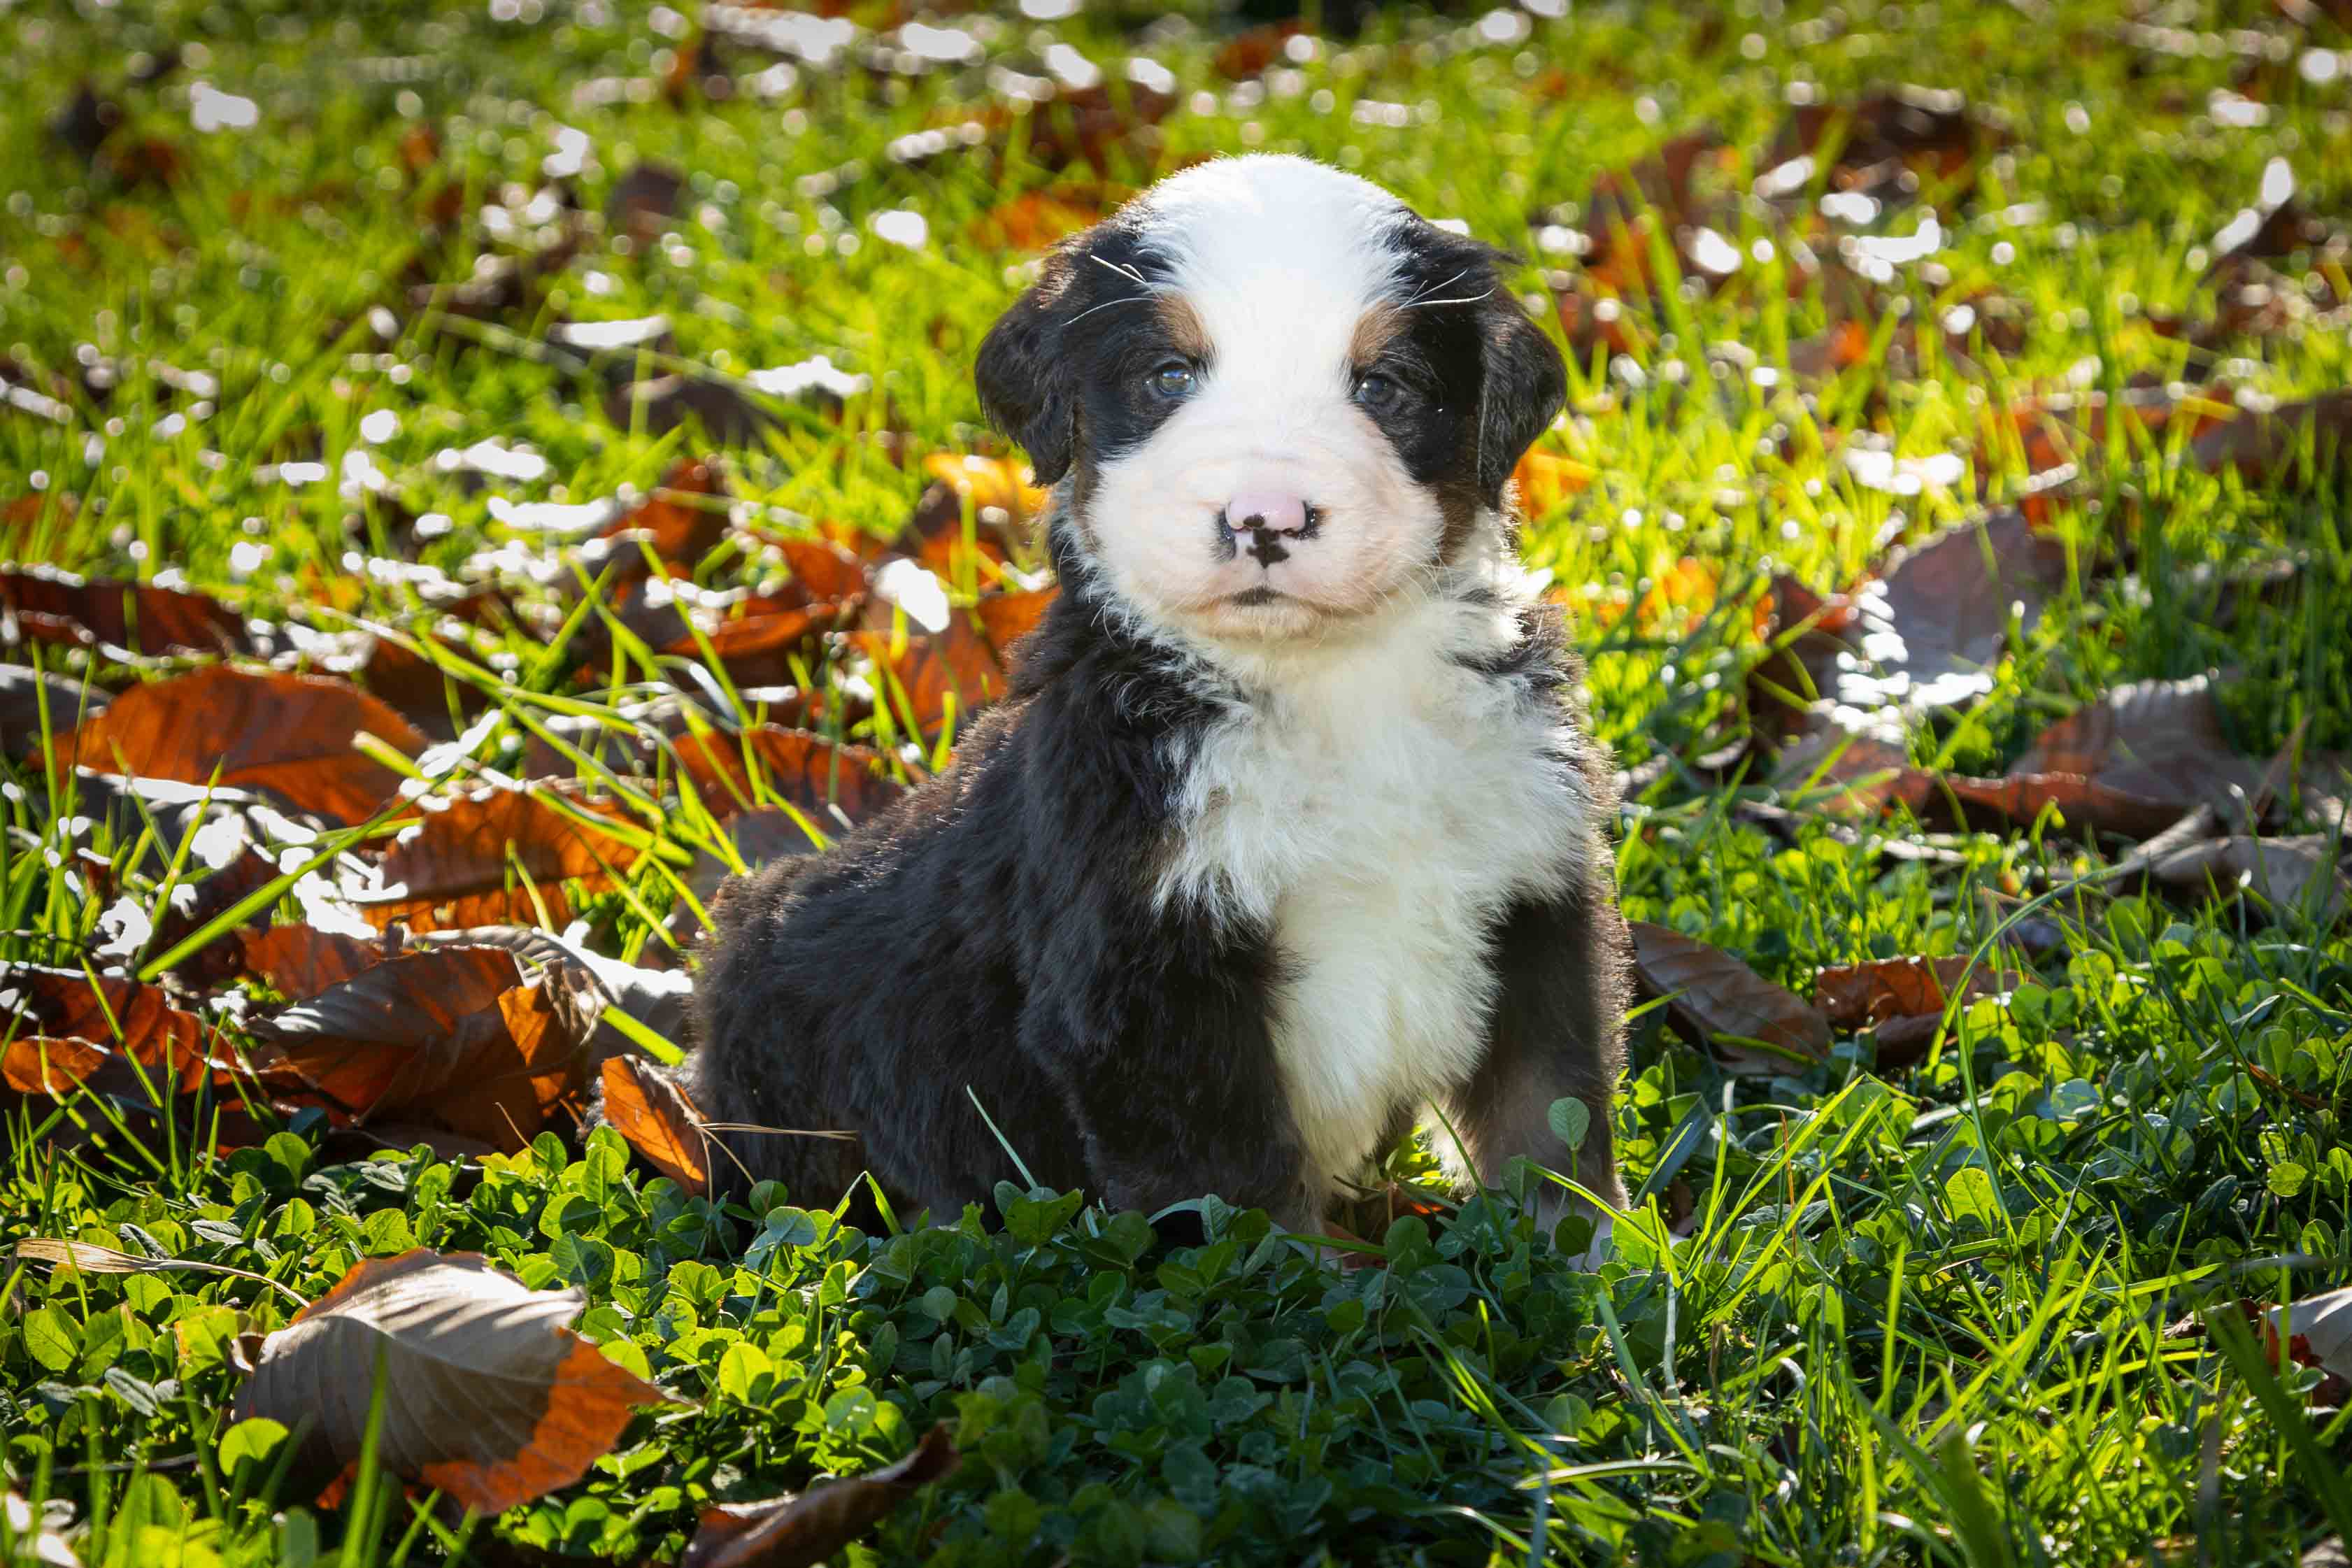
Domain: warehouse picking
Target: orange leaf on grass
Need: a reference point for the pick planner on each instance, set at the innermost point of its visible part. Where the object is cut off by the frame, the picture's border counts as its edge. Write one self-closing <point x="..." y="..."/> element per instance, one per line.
<point x="49" y="606"/>
<point x="962" y="661"/>
<point x="1036" y="219"/>
<point x="301" y="961"/>
<point x="448" y="1036"/>
<point x="821" y="570"/>
<point x="813" y="773"/>
<point x="36" y="1064"/>
<point x="1903" y="999"/>
<point x="682" y="527"/>
<point x="1545" y="480"/>
<point x="457" y="865"/>
<point x="2262" y="447"/>
<point x="289" y="734"/>
<point x="488" y="1394"/>
<point x="2158" y="740"/>
<point x="111" y="1012"/>
<point x="802" y="1531"/>
<point x="1006" y="618"/>
<point x="652" y="1112"/>
<point x="1715" y="995"/>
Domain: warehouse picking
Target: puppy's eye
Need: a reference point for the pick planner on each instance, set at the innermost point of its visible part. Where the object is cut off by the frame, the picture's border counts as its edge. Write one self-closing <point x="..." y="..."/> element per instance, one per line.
<point x="1378" y="392"/>
<point x="1172" y="380"/>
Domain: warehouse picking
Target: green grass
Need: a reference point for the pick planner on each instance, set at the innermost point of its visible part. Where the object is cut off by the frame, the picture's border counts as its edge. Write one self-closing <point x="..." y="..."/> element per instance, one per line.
<point x="1937" y="1314"/>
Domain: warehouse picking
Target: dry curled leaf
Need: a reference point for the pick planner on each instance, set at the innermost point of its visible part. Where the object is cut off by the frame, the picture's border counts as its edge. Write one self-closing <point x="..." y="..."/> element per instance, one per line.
<point x="801" y="1531"/>
<point x="495" y="856"/>
<point x="448" y="1036"/>
<point x="682" y="520"/>
<point x="959" y="666"/>
<point x="1903" y="999"/>
<point x="120" y="619"/>
<point x="289" y="734"/>
<point x="105" y="1011"/>
<point x="487" y="1395"/>
<point x="2158" y="740"/>
<point x="2297" y="872"/>
<point x="301" y="961"/>
<point x="818" y="776"/>
<point x="1937" y="621"/>
<point x="34" y="1064"/>
<point x="2262" y="448"/>
<point x="92" y="1258"/>
<point x="2319" y="1333"/>
<point x="652" y="1112"/>
<point x="1718" y="1002"/>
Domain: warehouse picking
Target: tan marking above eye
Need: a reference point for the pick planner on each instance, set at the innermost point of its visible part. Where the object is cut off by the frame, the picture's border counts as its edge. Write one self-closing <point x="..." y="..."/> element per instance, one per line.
<point x="1185" y="333"/>
<point x="1375" y="331"/>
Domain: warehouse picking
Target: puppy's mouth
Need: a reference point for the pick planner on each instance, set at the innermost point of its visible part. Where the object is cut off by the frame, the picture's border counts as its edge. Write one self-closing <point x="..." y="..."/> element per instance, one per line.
<point x="1250" y="598"/>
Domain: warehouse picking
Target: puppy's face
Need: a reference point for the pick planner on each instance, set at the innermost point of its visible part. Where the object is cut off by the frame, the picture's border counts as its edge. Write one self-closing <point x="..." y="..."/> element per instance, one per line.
<point x="1282" y="397"/>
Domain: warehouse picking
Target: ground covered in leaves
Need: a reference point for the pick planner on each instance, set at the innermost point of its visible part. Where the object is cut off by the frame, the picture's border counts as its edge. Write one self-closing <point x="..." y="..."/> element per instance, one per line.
<point x="475" y="480"/>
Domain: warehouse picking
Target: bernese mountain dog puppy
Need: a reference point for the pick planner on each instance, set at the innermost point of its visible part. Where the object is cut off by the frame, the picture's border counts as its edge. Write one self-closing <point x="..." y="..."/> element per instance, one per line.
<point x="1287" y="831"/>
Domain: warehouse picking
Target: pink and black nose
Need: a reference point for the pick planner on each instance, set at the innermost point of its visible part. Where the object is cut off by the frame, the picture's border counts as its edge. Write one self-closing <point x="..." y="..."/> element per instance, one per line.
<point x="1265" y="519"/>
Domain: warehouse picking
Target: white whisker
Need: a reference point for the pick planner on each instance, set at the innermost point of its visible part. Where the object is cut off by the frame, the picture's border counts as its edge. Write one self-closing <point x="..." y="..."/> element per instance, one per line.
<point x="1464" y="300"/>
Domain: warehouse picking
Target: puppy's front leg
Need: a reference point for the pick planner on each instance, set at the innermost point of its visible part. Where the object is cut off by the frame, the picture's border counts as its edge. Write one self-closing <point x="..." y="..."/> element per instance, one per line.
<point x="1557" y="1034"/>
<point x="1161" y="1047"/>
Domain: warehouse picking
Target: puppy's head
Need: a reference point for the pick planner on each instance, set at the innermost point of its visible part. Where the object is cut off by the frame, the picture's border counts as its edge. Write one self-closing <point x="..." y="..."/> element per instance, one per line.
<point x="1282" y="397"/>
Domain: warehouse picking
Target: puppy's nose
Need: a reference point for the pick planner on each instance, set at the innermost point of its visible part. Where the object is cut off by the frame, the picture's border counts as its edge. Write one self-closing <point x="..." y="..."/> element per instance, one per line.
<point x="1267" y="518"/>
<point x="1267" y="509"/>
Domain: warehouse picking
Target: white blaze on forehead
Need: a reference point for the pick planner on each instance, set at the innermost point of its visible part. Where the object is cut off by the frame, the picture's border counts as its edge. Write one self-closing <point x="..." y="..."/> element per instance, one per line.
<point x="1279" y="257"/>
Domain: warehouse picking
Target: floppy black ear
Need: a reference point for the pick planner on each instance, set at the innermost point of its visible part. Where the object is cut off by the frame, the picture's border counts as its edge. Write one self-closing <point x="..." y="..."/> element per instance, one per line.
<point x="1525" y="384"/>
<point x="1024" y="388"/>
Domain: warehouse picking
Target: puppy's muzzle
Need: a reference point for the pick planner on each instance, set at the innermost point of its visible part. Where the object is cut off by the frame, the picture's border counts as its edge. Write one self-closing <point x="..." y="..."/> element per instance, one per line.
<point x="1265" y="519"/>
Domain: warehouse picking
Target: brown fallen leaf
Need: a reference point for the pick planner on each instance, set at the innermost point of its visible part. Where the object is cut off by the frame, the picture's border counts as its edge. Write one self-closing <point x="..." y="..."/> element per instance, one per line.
<point x="487" y="1395"/>
<point x="818" y="776"/>
<point x="107" y="1012"/>
<point x="124" y="620"/>
<point x="680" y="522"/>
<point x="584" y="984"/>
<point x="2295" y="872"/>
<point x="824" y="570"/>
<point x="495" y="856"/>
<point x="1006" y="618"/>
<point x="1715" y="995"/>
<point x="2160" y="741"/>
<point x="1929" y="134"/>
<point x="448" y="1036"/>
<point x="288" y="734"/>
<point x="301" y="961"/>
<point x="1903" y="999"/>
<point x="92" y="1258"/>
<point x="2319" y="1333"/>
<point x="652" y="1112"/>
<point x="1545" y="482"/>
<point x="961" y="665"/>
<point x="1936" y="622"/>
<point x="1036" y="219"/>
<point x="2262" y="448"/>
<point x="801" y="1531"/>
<point x="1806" y="636"/>
<point x="23" y="694"/>
<point x="37" y="1064"/>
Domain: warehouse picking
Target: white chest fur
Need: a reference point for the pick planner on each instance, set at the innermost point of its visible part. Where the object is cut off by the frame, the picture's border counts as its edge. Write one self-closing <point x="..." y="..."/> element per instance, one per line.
<point x="1379" y="806"/>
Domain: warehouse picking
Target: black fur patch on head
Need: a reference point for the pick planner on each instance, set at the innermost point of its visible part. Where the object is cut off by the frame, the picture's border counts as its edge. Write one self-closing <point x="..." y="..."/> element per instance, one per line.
<point x="1065" y="371"/>
<point x="1486" y="379"/>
